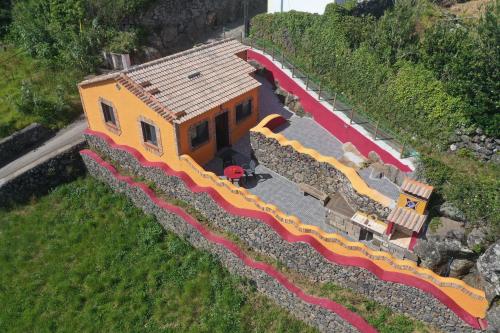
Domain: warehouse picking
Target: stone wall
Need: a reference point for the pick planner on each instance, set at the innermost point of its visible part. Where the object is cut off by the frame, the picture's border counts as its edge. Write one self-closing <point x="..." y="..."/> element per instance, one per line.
<point x="22" y="141"/>
<point x="302" y="168"/>
<point x="174" y="25"/>
<point x="484" y="147"/>
<point x="299" y="257"/>
<point x="315" y="315"/>
<point x="59" y="167"/>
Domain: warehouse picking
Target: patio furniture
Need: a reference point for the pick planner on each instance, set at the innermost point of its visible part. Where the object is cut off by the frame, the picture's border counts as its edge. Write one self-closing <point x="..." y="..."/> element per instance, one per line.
<point x="227" y="158"/>
<point x="314" y="192"/>
<point x="250" y="169"/>
<point x="234" y="172"/>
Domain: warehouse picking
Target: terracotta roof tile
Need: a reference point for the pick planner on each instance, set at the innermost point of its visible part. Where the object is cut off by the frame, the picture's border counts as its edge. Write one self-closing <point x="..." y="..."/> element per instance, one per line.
<point x="192" y="82"/>
<point x="407" y="218"/>
<point x="417" y="188"/>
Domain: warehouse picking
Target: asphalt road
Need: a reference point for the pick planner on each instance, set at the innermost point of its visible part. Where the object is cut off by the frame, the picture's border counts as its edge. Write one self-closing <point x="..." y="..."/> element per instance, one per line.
<point x="66" y="136"/>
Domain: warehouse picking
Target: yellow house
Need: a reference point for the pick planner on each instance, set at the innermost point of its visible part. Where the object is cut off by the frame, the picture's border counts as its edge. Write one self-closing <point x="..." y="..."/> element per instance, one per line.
<point x="194" y="102"/>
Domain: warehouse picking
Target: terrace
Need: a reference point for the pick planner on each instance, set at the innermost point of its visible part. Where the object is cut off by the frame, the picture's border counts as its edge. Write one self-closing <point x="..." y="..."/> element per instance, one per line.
<point x="275" y="189"/>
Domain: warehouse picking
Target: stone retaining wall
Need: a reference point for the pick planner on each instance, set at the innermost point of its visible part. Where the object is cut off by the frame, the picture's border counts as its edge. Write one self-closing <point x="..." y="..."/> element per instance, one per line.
<point x="302" y="168"/>
<point x="316" y="316"/>
<point x="60" y="167"/>
<point x="298" y="257"/>
<point x="22" y="141"/>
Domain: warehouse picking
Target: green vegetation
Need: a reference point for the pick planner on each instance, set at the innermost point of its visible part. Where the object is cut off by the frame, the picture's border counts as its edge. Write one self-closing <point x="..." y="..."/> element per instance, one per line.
<point x="32" y="91"/>
<point x="418" y="71"/>
<point x="381" y="317"/>
<point x="85" y="259"/>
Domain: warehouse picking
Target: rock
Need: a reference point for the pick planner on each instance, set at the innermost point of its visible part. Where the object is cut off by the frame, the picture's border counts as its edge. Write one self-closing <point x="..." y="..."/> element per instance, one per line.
<point x="374" y="157"/>
<point x="169" y="33"/>
<point x="438" y="251"/>
<point x="453" y="147"/>
<point x="493" y="317"/>
<point x="447" y="209"/>
<point x="460" y="267"/>
<point x="476" y="238"/>
<point x="479" y="131"/>
<point x="488" y="268"/>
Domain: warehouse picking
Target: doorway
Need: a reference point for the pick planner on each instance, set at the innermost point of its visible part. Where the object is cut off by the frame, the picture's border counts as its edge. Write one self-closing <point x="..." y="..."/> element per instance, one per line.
<point x="222" y="130"/>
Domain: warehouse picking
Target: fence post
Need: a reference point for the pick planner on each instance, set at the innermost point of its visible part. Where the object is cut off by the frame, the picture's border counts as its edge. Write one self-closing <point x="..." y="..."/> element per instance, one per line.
<point x="307" y="82"/>
<point x="251" y="43"/>
<point x="273" y="53"/>
<point x="319" y="93"/>
<point x="293" y="71"/>
<point x="402" y="150"/>
<point x="376" y="130"/>
<point x="224" y="32"/>
<point x="352" y="116"/>
<point x="241" y="37"/>
<point x="282" y="59"/>
<point x="334" y="101"/>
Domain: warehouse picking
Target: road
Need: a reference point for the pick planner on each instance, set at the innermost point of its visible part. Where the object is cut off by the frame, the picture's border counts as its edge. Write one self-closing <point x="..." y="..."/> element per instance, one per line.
<point x="68" y="135"/>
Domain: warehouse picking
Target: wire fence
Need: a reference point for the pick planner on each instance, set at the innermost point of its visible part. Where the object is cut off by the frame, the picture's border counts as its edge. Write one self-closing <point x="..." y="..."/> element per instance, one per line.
<point x="340" y="103"/>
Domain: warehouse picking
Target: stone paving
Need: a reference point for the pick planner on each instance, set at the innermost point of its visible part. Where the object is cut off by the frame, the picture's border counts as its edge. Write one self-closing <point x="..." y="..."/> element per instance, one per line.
<point x="278" y="190"/>
<point x="311" y="135"/>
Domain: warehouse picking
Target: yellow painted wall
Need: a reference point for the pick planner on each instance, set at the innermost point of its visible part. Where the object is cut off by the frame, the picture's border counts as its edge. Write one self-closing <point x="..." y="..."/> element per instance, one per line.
<point x="421" y="204"/>
<point x="128" y="109"/>
<point x="206" y="152"/>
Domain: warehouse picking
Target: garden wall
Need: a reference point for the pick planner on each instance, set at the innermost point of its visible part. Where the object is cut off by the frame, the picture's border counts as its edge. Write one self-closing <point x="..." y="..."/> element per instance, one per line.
<point x="21" y="141"/>
<point x="302" y="168"/>
<point x="317" y="316"/>
<point x="61" y="166"/>
<point x="297" y="256"/>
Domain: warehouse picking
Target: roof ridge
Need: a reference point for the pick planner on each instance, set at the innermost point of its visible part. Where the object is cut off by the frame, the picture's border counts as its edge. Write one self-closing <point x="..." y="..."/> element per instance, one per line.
<point x="177" y="55"/>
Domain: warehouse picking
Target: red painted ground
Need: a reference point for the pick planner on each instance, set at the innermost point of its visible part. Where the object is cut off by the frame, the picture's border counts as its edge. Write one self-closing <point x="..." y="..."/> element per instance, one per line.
<point x="331" y="122"/>
<point x="349" y="316"/>
<point x="409" y="280"/>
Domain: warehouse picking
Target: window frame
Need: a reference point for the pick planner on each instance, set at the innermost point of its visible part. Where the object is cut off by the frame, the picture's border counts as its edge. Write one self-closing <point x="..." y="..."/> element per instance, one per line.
<point x="247" y="113"/>
<point x="113" y="127"/>
<point x="149" y="145"/>
<point x="193" y="129"/>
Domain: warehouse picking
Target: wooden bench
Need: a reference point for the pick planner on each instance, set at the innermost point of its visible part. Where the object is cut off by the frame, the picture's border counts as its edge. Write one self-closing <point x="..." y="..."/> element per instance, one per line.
<point x="314" y="192"/>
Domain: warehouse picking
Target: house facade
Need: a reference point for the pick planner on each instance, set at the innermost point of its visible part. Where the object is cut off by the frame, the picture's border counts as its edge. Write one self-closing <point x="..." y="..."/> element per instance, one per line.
<point x="195" y="102"/>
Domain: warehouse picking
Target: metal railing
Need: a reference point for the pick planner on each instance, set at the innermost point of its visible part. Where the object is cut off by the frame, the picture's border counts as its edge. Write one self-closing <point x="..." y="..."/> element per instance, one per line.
<point x="340" y="103"/>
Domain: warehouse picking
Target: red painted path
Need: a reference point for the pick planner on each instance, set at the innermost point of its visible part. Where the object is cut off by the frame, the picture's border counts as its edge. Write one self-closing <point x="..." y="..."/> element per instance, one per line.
<point x="406" y="279"/>
<point x="325" y="117"/>
<point x="349" y="316"/>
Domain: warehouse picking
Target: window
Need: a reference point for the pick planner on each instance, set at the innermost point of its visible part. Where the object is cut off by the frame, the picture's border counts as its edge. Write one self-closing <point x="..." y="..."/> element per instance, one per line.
<point x="109" y="114"/>
<point x="149" y="133"/>
<point x="199" y="134"/>
<point x="243" y="110"/>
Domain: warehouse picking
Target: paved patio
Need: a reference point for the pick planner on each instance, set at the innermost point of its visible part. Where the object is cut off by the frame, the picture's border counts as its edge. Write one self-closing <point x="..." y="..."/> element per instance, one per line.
<point x="278" y="190"/>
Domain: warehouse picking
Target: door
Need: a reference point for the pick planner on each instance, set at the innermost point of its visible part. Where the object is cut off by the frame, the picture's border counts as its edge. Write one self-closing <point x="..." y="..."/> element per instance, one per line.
<point x="222" y="130"/>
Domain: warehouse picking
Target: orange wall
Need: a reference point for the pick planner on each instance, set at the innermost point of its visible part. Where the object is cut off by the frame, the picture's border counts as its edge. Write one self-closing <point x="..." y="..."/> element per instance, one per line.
<point x="206" y="152"/>
<point x="128" y="109"/>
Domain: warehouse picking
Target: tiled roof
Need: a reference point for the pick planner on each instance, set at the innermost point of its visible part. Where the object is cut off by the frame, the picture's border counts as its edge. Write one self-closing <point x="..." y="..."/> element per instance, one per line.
<point x="407" y="218"/>
<point x="417" y="188"/>
<point x="186" y="84"/>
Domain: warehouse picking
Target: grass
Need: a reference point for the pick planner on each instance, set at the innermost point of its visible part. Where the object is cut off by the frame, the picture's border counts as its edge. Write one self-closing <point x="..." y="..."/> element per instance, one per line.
<point x="85" y="259"/>
<point x="379" y="316"/>
<point x="16" y="68"/>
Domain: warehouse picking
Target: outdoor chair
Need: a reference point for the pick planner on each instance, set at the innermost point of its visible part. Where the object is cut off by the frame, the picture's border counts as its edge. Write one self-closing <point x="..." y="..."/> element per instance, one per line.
<point x="250" y="169"/>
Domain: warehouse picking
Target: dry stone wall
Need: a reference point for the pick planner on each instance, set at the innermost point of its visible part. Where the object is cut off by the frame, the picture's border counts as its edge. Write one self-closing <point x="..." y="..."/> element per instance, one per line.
<point x="21" y="141"/>
<point x="316" y="316"/>
<point x="298" y="257"/>
<point x="301" y="168"/>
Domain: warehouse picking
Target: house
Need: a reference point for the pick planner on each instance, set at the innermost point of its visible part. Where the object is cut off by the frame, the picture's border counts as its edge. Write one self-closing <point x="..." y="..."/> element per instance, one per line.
<point x="195" y="102"/>
<point x="316" y="6"/>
